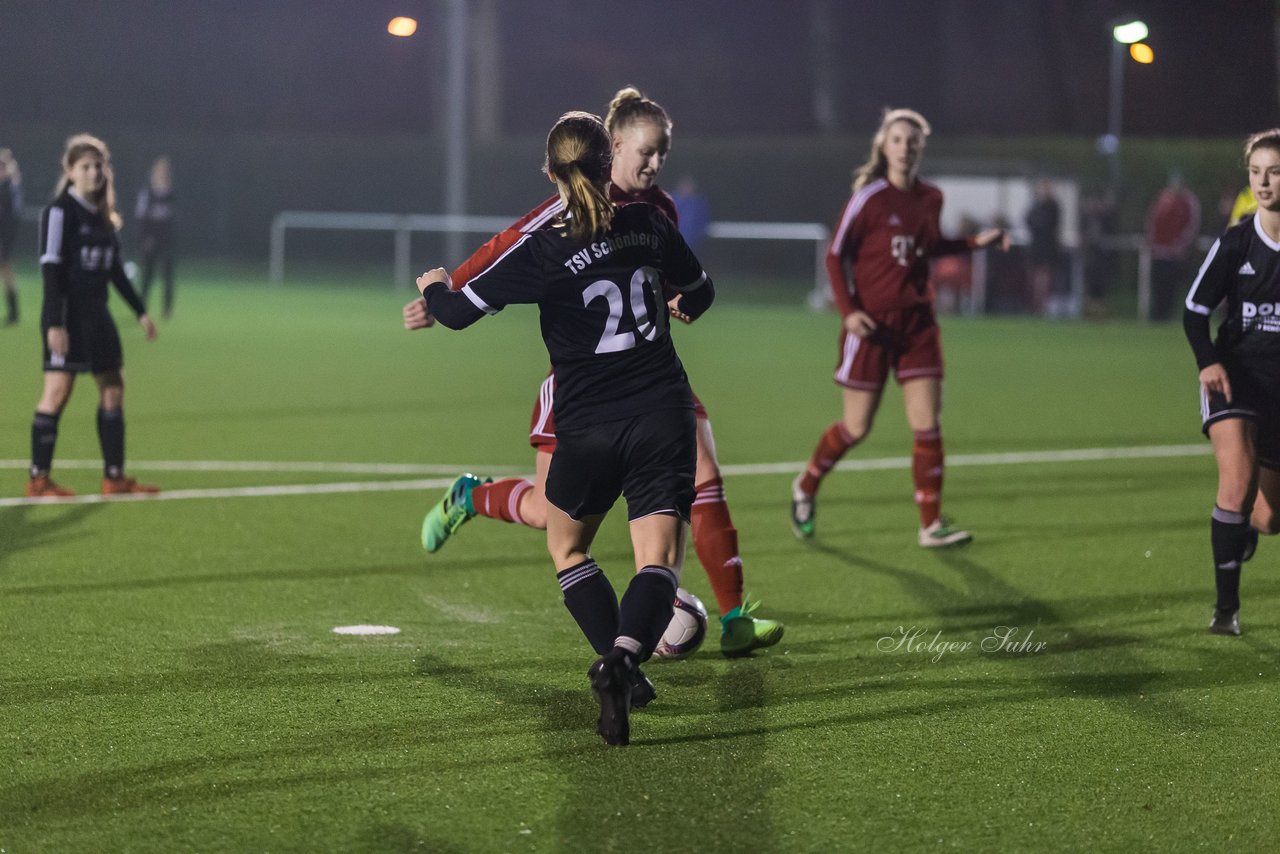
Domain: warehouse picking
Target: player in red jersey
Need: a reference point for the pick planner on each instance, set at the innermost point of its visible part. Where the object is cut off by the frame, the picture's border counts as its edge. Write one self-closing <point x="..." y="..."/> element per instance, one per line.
<point x="641" y="132"/>
<point x="887" y="234"/>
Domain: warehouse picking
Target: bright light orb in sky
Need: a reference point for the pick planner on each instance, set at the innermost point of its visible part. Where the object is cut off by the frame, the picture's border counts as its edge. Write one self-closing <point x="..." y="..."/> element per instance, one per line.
<point x="403" y="27"/>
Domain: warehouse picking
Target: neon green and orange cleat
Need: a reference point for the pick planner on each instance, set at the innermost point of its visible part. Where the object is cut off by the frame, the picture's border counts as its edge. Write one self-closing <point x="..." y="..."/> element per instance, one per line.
<point x="450" y="513"/>
<point x="740" y="632"/>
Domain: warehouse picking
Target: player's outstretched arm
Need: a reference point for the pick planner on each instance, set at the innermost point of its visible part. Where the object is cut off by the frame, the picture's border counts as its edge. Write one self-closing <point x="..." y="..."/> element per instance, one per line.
<point x="997" y="237"/>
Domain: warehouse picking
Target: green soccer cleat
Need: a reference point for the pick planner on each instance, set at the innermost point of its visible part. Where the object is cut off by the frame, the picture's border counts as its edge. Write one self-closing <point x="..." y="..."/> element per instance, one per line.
<point x="803" y="511"/>
<point x="740" y="633"/>
<point x="941" y="535"/>
<point x="450" y="513"/>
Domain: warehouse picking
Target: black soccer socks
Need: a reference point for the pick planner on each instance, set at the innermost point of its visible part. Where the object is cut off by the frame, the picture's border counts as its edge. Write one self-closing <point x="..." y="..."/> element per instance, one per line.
<point x="1229" y="534"/>
<point x="44" y="435"/>
<point x="111" y="438"/>
<point x="592" y="602"/>
<point x="646" y="609"/>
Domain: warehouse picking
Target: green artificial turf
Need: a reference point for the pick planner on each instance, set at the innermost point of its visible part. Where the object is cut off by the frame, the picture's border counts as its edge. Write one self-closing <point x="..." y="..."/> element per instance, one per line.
<point x="171" y="682"/>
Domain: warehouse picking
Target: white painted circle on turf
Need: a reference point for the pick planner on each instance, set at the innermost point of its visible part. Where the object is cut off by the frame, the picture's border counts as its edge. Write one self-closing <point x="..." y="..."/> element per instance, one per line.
<point x="366" y="630"/>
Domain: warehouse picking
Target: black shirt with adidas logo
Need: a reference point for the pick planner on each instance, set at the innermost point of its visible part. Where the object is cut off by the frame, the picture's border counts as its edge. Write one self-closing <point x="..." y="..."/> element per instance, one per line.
<point x="1241" y="270"/>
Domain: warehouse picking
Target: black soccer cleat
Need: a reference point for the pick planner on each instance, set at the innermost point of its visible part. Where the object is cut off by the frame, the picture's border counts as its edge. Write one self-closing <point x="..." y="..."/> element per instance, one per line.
<point x="642" y="691"/>
<point x="611" y="685"/>
<point x="1225" y="622"/>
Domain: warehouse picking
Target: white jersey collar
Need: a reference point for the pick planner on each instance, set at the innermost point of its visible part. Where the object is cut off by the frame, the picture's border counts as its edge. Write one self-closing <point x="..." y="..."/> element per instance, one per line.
<point x="1257" y="227"/>
<point x="84" y="203"/>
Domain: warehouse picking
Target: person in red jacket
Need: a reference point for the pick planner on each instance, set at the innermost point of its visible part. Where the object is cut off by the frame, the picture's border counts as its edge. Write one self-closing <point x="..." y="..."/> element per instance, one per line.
<point x="1173" y="223"/>
<point x="878" y="264"/>
<point x="641" y="133"/>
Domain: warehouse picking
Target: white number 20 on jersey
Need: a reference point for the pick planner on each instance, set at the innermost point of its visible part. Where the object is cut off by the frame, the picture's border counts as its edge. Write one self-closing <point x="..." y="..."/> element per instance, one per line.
<point x="618" y="337"/>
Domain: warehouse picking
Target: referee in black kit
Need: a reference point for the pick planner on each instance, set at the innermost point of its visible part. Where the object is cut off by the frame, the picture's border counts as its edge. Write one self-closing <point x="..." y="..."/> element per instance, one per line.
<point x="1240" y="376"/>
<point x="79" y="255"/>
<point x="623" y="408"/>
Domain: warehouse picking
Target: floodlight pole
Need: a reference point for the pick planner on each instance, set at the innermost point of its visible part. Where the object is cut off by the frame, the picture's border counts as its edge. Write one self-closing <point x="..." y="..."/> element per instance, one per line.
<point x="1115" y="105"/>
<point x="455" y="138"/>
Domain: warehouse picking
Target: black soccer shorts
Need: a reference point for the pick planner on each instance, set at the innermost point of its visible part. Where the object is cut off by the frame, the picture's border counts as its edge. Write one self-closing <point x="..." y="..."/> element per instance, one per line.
<point x="93" y="343"/>
<point x="1255" y="396"/>
<point x="649" y="459"/>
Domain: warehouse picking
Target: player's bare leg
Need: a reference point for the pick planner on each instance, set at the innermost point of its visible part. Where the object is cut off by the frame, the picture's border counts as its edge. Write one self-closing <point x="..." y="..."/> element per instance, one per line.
<point x="1234" y="448"/>
<point x="859" y="407"/>
<point x="922" y="397"/>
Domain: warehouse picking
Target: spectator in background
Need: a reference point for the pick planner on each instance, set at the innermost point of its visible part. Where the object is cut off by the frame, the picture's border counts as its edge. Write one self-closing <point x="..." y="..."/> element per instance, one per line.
<point x="10" y="216"/>
<point x="1044" y="254"/>
<point x="155" y="217"/>
<point x="1006" y="276"/>
<point x="1099" y="223"/>
<point x="694" y="210"/>
<point x="1173" y="222"/>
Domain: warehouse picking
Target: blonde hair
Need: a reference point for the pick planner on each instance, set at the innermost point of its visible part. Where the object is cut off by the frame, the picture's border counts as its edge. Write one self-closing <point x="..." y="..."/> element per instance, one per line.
<point x="77" y="147"/>
<point x="579" y="157"/>
<point x="877" y="166"/>
<point x="1261" y="139"/>
<point x="630" y="107"/>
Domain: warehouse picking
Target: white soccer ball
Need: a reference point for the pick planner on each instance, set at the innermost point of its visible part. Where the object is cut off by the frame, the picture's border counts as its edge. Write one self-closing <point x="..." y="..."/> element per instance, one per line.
<point x="687" y="629"/>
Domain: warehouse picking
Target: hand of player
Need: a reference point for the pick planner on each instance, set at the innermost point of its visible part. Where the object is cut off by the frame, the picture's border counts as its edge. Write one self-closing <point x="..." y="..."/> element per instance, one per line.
<point x="431" y="277"/>
<point x="1215" y="381"/>
<point x="148" y="326"/>
<point x="997" y="236"/>
<point x="56" y="338"/>
<point x="416" y="315"/>
<point x="859" y="323"/>
<point x="673" y="305"/>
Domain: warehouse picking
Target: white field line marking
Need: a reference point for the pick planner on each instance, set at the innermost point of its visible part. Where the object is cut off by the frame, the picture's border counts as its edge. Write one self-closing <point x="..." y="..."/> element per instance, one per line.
<point x="246" y="492"/>
<point x="266" y="466"/>
<point x="884" y="463"/>
<point x="1078" y="455"/>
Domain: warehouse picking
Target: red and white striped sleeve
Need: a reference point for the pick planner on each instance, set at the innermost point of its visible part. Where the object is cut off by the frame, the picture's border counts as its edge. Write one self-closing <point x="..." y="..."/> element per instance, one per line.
<point x="496" y="246"/>
<point x="844" y="247"/>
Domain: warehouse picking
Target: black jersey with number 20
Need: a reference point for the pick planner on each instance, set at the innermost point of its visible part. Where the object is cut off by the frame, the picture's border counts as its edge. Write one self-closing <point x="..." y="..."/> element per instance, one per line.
<point x="603" y="316"/>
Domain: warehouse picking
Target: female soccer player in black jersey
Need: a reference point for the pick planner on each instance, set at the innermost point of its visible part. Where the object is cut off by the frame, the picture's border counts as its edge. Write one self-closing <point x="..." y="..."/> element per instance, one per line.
<point x="623" y="408"/>
<point x="79" y="254"/>
<point x="10" y="215"/>
<point x="1240" y="376"/>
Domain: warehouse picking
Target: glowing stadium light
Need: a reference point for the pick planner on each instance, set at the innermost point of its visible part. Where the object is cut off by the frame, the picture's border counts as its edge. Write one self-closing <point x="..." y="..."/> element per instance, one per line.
<point x="403" y="27"/>
<point x="1129" y="33"/>
<point x="1142" y="53"/>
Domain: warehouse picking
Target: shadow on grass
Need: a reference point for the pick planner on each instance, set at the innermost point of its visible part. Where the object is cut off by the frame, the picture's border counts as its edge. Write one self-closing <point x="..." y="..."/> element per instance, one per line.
<point x="1124" y="675"/>
<point x="614" y="795"/>
<point x="22" y="531"/>
<point x="126" y="585"/>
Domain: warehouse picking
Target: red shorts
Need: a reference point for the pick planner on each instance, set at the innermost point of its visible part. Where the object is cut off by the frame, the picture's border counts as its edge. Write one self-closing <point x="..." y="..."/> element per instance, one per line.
<point x="542" y="426"/>
<point x="907" y="341"/>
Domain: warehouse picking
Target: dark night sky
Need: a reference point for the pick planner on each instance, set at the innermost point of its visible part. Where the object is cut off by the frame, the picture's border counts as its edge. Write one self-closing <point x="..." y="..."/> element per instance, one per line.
<point x="973" y="66"/>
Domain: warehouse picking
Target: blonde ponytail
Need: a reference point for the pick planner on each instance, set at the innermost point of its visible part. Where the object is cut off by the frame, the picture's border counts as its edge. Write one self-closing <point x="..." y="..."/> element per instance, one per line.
<point x="579" y="157"/>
